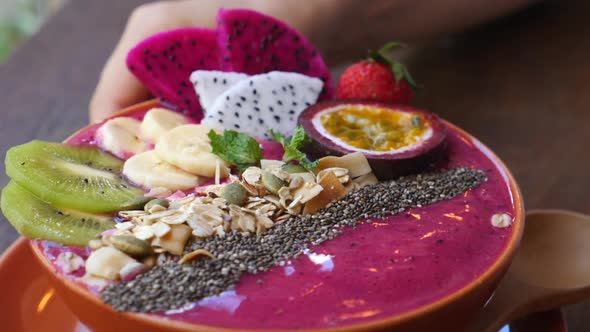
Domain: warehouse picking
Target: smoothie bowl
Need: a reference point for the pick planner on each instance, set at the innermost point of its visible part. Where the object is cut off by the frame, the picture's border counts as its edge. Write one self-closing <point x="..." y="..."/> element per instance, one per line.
<point x="254" y="202"/>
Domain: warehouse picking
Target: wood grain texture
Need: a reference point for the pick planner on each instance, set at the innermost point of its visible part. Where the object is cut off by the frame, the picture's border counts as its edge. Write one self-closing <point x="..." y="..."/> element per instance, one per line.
<point x="46" y="85"/>
<point x="519" y="84"/>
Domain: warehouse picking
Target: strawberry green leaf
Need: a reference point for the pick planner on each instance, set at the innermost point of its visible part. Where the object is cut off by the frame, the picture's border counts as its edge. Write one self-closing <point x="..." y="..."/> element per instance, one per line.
<point x="400" y="72"/>
<point x="390" y="46"/>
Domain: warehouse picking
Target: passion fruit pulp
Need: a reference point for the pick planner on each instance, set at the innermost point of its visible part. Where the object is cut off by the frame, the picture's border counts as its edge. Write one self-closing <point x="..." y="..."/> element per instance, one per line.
<point x="397" y="140"/>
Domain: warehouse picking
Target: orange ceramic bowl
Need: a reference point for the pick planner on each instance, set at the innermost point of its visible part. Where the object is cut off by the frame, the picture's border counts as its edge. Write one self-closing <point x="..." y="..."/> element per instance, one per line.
<point x="450" y="313"/>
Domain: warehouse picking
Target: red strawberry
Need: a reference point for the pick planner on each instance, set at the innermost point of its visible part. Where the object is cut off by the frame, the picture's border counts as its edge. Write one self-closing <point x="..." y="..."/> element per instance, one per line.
<point x="378" y="78"/>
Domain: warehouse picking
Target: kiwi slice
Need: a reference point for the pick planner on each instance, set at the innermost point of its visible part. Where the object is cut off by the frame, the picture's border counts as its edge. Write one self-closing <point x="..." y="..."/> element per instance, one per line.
<point x="37" y="219"/>
<point x="81" y="178"/>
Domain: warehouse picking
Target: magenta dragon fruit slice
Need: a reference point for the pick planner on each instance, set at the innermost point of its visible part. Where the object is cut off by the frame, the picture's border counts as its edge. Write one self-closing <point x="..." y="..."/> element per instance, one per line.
<point x="210" y="84"/>
<point x="165" y="61"/>
<point x="267" y="101"/>
<point x="253" y="43"/>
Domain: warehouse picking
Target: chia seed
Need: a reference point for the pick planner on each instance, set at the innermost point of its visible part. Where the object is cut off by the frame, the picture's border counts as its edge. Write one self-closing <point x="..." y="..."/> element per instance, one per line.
<point x="172" y="285"/>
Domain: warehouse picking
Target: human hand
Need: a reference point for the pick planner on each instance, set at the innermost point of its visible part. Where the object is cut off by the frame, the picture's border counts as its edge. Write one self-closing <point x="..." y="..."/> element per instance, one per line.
<point x="118" y="88"/>
<point x="322" y="21"/>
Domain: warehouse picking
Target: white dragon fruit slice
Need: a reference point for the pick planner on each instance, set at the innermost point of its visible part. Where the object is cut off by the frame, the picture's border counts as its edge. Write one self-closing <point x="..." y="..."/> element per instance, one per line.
<point x="267" y="101"/>
<point x="210" y="84"/>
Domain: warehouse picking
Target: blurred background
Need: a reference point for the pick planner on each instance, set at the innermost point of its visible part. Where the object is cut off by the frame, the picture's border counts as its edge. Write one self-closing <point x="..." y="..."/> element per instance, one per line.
<point x="20" y="19"/>
<point x="519" y="83"/>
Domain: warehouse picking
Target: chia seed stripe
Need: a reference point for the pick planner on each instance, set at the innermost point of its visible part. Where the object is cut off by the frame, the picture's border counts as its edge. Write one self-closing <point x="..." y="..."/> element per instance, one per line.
<point x="172" y="285"/>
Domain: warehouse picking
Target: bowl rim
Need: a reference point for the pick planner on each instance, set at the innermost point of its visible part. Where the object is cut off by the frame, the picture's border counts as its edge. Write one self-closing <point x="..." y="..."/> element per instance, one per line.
<point x="501" y="262"/>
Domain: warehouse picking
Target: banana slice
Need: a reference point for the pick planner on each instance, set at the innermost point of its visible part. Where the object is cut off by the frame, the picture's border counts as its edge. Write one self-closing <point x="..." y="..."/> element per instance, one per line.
<point x="189" y="148"/>
<point x="107" y="263"/>
<point x="120" y="136"/>
<point x="148" y="170"/>
<point x="157" y="121"/>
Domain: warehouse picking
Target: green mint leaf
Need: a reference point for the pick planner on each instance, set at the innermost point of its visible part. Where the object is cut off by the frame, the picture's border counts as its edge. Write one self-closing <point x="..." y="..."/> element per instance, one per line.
<point x="236" y="148"/>
<point x="292" y="145"/>
<point x="299" y="138"/>
<point x="310" y="164"/>
<point x="292" y="153"/>
<point x="278" y="137"/>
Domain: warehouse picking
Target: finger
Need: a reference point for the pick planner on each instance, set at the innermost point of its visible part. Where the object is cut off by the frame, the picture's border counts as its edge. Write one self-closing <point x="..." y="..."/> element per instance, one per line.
<point x="117" y="87"/>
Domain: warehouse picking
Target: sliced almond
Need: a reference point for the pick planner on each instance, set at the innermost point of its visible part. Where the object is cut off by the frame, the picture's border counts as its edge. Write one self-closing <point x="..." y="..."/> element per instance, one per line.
<point x="296" y="182"/>
<point x="175" y="240"/>
<point x="194" y="254"/>
<point x="279" y="173"/>
<point x="156" y="208"/>
<point x="252" y="175"/>
<point x="273" y="199"/>
<point x="306" y="192"/>
<point x="254" y="189"/>
<point x="200" y="227"/>
<point x="160" y="229"/>
<point x="125" y="226"/>
<point x="132" y="214"/>
<point x="143" y="232"/>
<point x="295" y="210"/>
<point x="219" y="230"/>
<point x="285" y="197"/>
<point x="177" y="203"/>
<point x="241" y="220"/>
<point x="306" y="176"/>
<point x="282" y="218"/>
<point x="159" y="192"/>
<point x="177" y="218"/>
<point x="268" y="164"/>
<point x="263" y="223"/>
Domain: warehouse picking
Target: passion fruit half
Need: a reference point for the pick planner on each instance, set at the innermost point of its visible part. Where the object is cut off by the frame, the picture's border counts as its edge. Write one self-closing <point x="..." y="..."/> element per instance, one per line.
<point x="397" y="140"/>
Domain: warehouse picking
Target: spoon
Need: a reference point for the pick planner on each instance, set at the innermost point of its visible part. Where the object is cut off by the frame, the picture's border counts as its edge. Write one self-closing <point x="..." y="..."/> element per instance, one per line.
<point x="550" y="269"/>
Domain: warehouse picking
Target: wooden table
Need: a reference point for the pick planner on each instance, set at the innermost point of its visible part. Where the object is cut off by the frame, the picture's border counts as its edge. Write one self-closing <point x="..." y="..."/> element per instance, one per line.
<point x="521" y="84"/>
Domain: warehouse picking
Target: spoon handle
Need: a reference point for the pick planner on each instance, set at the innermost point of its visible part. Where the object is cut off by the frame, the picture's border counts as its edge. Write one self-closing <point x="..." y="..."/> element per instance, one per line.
<point x="506" y="305"/>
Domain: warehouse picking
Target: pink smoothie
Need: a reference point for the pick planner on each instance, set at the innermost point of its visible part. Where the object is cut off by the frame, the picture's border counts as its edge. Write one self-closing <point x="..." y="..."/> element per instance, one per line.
<point x="380" y="269"/>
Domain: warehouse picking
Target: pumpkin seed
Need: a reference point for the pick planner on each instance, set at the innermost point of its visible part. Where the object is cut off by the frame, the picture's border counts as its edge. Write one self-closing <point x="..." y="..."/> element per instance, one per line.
<point x="234" y="193"/>
<point x="272" y="183"/>
<point x="136" y="203"/>
<point x="131" y="245"/>
<point x="291" y="168"/>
